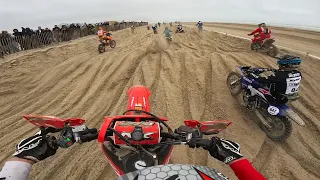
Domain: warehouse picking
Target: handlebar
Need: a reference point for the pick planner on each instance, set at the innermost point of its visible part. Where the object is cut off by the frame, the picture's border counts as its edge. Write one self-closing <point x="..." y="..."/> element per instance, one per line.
<point x="70" y="135"/>
<point x="248" y="69"/>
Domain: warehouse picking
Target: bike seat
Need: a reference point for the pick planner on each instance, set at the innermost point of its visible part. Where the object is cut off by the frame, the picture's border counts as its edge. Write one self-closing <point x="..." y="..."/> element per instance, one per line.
<point x="288" y="57"/>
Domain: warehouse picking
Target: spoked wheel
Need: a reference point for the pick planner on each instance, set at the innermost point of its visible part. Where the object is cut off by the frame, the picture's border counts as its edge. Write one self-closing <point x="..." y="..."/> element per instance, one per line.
<point x="273" y="51"/>
<point x="279" y="128"/>
<point x="113" y="44"/>
<point x="234" y="83"/>
<point x="101" y="48"/>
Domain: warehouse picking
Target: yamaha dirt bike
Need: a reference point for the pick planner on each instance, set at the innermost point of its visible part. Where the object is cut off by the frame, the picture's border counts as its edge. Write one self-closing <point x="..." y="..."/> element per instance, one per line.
<point x="266" y="47"/>
<point x="273" y="113"/>
<point x="155" y="31"/>
<point x="179" y="31"/>
<point x="137" y="142"/>
<point x="110" y="42"/>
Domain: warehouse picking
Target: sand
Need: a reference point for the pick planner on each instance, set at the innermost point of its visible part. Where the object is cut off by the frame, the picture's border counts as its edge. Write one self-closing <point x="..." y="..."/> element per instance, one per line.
<point x="188" y="81"/>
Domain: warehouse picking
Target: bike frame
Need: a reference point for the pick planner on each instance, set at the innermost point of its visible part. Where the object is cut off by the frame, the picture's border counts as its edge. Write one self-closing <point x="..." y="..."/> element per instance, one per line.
<point x="246" y="82"/>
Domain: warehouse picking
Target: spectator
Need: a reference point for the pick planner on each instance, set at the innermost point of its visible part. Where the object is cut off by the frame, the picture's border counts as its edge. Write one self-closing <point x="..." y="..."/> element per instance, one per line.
<point x="48" y="36"/>
<point x="65" y="33"/>
<point x="56" y="31"/>
<point x="29" y="39"/>
<point x="39" y="30"/>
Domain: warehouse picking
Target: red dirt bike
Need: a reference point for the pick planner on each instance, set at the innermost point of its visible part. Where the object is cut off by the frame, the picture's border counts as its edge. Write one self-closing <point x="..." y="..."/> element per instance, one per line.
<point x="137" y="142"/>
<point x="266" y="47"/>
<point x="110" y="42"/>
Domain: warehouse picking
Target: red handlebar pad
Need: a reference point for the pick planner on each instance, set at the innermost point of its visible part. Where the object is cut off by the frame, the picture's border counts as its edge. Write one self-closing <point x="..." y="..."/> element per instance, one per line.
<point x="150" y="130"/>
<point x="109" y="122"/>
<point x="216" y="125"/>
<point x="54" y="122"/>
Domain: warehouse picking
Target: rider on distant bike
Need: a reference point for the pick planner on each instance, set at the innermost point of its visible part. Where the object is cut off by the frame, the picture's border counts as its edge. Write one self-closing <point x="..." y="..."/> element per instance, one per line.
<point x="154" y="27"/>
<point x="179" y="29"/>
<point x="284" y="82"/>
<point x="199" y="25"/>
<point x="167" y="32"/>
<point x="263" y="33"/>
<point x="36" y="148"/>
<point x="102" y="34"/>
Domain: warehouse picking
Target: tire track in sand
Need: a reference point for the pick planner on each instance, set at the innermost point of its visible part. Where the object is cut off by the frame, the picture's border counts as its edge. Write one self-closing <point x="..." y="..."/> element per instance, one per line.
<point x="186" y="83"/>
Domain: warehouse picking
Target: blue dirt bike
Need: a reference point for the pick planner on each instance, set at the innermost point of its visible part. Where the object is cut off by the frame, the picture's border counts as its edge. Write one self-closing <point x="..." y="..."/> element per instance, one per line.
<point x="271" y="109"/>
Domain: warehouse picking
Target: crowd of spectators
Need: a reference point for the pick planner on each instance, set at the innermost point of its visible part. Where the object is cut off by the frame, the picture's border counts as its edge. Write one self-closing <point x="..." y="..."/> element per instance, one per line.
<point x="28" y="38"/>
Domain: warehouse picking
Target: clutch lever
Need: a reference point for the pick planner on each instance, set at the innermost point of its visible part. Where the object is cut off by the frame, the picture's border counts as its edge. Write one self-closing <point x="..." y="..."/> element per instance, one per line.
<point x="45" y="131"/>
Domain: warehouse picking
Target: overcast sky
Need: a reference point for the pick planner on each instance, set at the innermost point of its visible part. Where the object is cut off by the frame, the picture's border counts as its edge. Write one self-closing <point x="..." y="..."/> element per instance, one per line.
<point x="46" y="13"/>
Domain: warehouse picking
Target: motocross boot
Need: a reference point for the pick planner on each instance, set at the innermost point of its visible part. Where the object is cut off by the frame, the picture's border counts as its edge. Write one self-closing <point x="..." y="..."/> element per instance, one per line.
<point x="294" y="96"/>
<point x="249" y="102"/>
<point x="250" y="105"/>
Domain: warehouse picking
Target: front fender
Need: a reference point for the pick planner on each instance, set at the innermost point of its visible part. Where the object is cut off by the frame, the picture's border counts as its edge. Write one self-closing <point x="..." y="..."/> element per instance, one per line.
<point x="288" y="112"/>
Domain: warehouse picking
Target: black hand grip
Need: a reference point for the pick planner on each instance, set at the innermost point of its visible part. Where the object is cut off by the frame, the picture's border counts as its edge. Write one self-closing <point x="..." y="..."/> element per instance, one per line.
<point x="89" y="137"/>
<point x="205" y="143"/>
<point x="90" y="131"/>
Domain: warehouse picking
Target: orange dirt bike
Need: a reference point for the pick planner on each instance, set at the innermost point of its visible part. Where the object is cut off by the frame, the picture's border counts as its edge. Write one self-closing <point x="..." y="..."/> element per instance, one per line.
<point x="104" y="43"/>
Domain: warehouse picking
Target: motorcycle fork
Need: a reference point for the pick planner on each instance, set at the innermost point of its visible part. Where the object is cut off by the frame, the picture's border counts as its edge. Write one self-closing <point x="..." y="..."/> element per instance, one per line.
<point x="235" y="81"/>
<point x="263" y="118"/>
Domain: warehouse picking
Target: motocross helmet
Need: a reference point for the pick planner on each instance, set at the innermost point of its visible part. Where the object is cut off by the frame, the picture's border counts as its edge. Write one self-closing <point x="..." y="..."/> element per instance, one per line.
<point x="288" y="61"/>
<point x="174" y="171"/>
<point x="261" y="24"/>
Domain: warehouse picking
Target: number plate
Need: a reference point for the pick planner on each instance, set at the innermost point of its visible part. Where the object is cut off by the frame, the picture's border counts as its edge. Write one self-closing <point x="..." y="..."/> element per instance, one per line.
<point x="273" y="110"/>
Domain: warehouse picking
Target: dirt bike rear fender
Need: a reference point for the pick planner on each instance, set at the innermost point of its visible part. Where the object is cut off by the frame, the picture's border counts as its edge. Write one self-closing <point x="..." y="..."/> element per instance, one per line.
<point x="51" y="121"/>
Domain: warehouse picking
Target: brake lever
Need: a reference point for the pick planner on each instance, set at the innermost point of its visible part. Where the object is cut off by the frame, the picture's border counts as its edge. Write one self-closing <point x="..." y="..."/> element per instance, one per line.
<point x="45" y="131"/>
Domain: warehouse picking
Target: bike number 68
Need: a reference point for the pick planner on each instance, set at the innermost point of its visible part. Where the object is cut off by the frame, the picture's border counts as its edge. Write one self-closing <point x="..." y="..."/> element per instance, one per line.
<point x="273" y="110"/>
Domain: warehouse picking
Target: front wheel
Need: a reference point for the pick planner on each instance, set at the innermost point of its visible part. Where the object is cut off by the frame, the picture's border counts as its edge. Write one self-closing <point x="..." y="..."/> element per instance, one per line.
<point x="234" y="83"/>
<point x="252" y="46"/>
<point x="113" y="44"/>
<point x="101" y="48"/>
<point x="273" y="51"/>
<point x="280" y="128"/>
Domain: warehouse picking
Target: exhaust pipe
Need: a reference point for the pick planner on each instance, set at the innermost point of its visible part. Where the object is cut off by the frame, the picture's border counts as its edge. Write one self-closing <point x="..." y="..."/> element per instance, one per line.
<point x="294" y="116"/>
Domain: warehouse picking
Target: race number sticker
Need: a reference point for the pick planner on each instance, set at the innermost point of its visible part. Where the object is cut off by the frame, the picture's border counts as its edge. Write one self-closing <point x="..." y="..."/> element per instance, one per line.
<point x="273" y="110"/>
<point x="293" y="85"/>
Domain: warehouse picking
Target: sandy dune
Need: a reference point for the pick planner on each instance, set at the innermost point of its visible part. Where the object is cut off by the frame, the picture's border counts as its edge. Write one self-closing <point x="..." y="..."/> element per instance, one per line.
<point x="187" y="80"/>
<point x="300" y="40"/>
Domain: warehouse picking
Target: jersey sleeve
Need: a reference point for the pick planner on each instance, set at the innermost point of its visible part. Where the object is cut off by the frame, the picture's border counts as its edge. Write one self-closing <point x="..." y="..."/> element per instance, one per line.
<point x="245" y="171"/>
<point x="258" y="30"/>
<point x="15" y="170"/>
